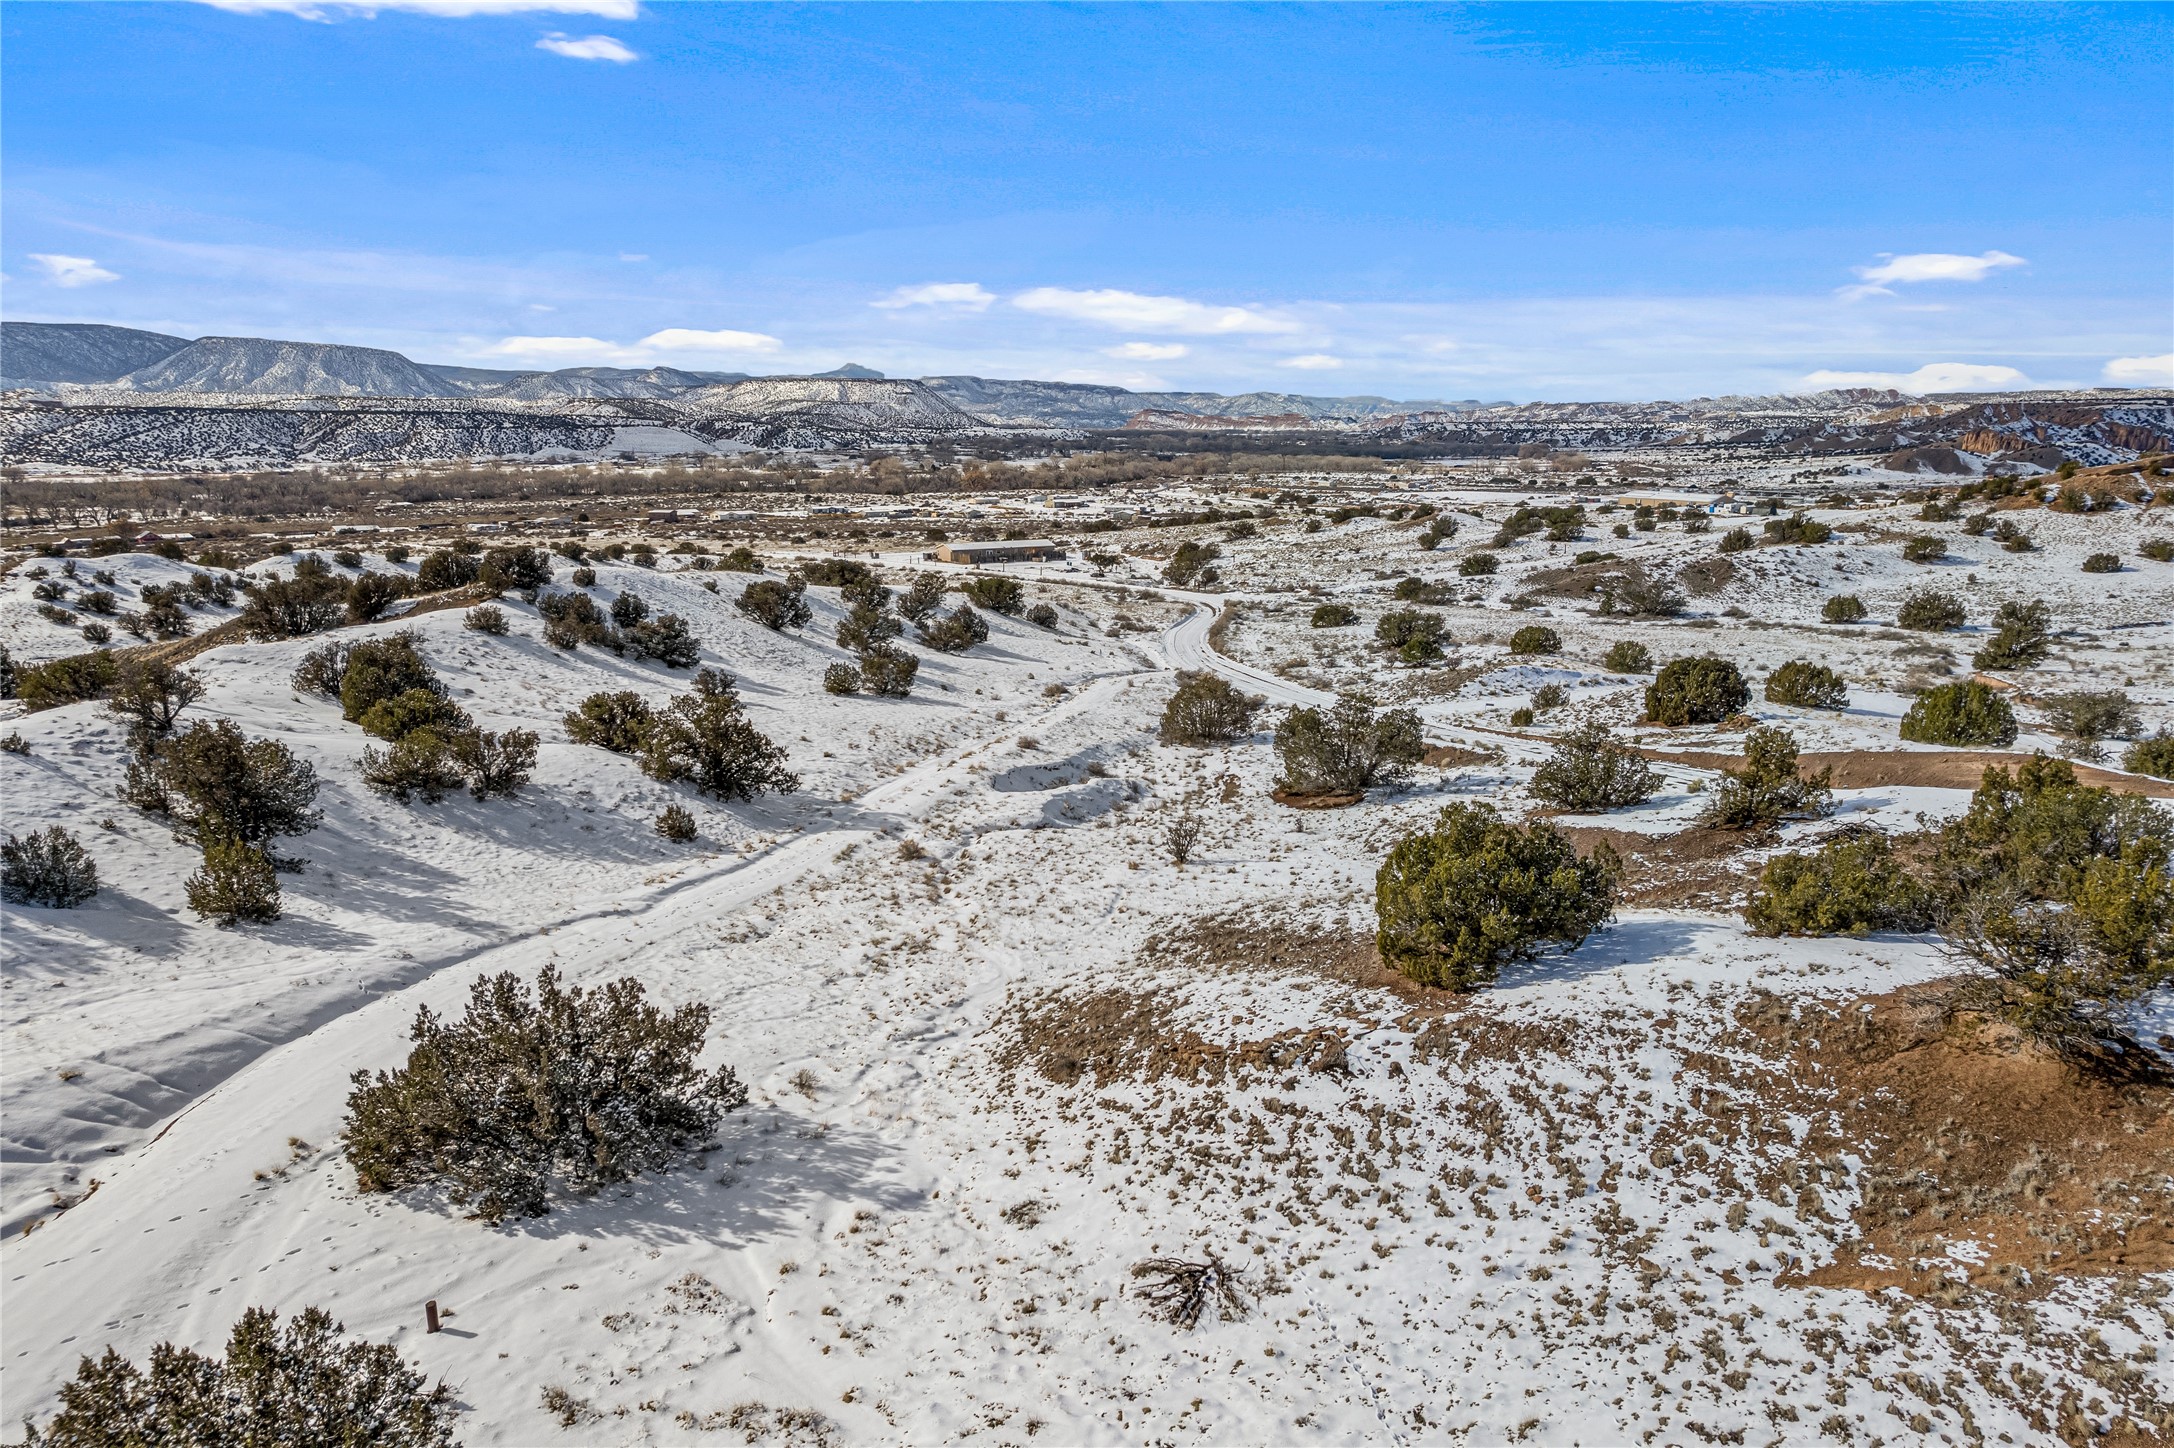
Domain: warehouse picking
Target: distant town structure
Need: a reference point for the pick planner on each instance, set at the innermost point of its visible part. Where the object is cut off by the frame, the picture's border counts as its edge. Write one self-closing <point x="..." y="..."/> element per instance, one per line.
<point x="1697" y="502"/>
<point x="1018" y="550"/>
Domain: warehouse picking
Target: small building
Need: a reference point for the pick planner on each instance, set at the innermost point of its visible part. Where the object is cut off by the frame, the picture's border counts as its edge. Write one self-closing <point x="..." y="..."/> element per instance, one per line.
<point x="1687" y="502"/>
<point x="1016" y="550"/>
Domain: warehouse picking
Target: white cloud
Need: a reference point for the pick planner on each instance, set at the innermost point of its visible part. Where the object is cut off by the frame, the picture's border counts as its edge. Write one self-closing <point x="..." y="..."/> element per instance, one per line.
<point x="1925" y="266"/>
<point x="1313" y="362"/>
<point x="1134" y="312"/>
<point x="1099" y="377"/>
<point x="633" y="256"/>
<point x="595" y="351"/>
<point x="72" y="271"/>
<point x="2143" y="371"/>
<point x="1148" y="351"/>
<point x="450" y="9"/>
<point x="971" y="296"/>
<point x="1932" y="377"/>
<point x="557" y="349"/>
<point x="688" y="339"/>
<point x="588" y="47"/>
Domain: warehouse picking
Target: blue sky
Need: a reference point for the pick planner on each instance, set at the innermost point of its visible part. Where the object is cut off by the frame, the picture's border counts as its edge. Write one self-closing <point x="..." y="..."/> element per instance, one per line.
<point x="1501" y="202"/>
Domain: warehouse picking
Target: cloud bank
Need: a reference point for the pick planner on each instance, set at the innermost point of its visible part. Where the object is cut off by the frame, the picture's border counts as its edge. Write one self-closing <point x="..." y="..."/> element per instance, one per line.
<point x="971" y="296"/>
<point x="588" y="47"/>
<point x="1925" y="266"/>
<point x="1137" y="312"/>
<point x="1147" y="351"/>
<point x="677" y="342"/>
<point x="1932" y="377"/>
<point x="2141" y="371"/>
<point x="72" y="271"/>
<point x="449" y="9"/>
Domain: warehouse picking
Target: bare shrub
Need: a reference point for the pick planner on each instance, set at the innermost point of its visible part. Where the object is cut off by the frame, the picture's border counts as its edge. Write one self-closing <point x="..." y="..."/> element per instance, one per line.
<point x="150" y="694"/>
<point x="1181" y="1292"/>
<point x="494" y="765"/>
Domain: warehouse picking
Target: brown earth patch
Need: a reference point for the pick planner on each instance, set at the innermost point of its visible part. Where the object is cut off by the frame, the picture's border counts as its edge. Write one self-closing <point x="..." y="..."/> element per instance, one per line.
<point x="1585" y="580"/>
<point x="1972" y="1134"/>
<point x="1694" y="869"/>
<point x="235" y="631"/>
<point x="1314" y="801"/>
<point x="1936" y="769"/>
<point x="1121" y="1035"/>
<point x="1134" y="1033"/>
<point x="1449" y="756"/>
<point x="1220" y="944"/>
<point x="1708" y="576"/>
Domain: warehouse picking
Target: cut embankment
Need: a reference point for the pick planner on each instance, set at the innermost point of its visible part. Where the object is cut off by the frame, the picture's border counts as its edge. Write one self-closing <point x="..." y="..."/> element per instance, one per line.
<point x="1926" y="768"/>
<point x="1991" y="1164"/>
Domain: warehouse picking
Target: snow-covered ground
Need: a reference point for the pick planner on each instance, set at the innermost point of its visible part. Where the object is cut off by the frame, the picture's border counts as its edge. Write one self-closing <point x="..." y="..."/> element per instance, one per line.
<point x="995" y="1070"/>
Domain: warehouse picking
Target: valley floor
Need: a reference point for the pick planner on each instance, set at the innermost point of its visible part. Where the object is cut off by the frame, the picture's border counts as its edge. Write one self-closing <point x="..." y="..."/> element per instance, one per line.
<point x="1675" y="1186"/>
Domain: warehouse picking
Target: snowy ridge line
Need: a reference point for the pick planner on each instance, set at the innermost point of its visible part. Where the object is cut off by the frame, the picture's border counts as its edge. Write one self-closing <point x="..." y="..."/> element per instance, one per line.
<point x="304" y="1085"/>
<point x="755" y="876"/>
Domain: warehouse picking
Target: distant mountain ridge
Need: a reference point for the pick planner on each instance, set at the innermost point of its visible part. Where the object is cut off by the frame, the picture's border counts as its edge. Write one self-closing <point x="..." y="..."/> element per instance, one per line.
<point x="83" y="352"/>
<point x="260" y="367"/>
<point x="118" y="397"/>
<point x="1087" y="404"/>
<point x="36" y="354"/>
<point x="571" y="382"/>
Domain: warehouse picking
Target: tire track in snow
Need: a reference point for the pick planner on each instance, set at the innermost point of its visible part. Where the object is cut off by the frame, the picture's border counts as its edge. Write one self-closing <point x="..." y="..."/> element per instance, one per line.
<point x="190" y="1180"/>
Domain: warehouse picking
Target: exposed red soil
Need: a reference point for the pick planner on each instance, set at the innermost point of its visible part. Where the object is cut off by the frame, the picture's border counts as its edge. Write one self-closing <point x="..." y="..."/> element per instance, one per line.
<point x="1935" y="769"/>
<point x="1974" y="1135"/>
<point x="1290" y="800"/>
<point x="1694" y="869"/>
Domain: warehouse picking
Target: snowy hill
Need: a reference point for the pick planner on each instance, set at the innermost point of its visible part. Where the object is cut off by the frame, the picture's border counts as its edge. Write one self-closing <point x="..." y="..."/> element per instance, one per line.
<point x="260" y="367"/>
<point x="171" y="435"/>
<point x="775" y="411"/>
<point x="35" y="352"/>
<point x="141" y="399"/>
<point x="1671" y="1182"/>
<point x="2093" y="426"/>
<point x="568" y="382"/>
<point x="1079" y="404"/>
